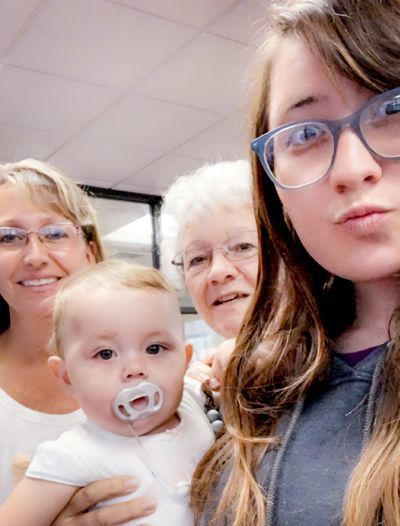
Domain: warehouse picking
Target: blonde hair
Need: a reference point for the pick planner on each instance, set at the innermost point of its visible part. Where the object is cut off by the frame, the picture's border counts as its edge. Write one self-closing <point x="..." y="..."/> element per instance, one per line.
<point x="291" y="314"/>
<point x="112" y="273"/>
<point x="44" y="185"/>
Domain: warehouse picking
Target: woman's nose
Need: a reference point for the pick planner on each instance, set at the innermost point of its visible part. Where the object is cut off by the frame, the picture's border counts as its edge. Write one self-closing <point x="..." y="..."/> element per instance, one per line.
<point x="35" y="254"/>
<point x="354" y="164"/>
<point x="221" y="268"/>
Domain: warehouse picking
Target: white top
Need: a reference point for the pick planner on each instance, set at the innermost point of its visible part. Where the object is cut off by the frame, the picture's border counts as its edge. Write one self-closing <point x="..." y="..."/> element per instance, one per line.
<point x="163" y="463"/>
<point x="22" y="430"/>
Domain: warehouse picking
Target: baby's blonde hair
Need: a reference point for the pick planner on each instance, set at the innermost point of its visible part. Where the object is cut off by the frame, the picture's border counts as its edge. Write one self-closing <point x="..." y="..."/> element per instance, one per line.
<point x="113" y="273"/>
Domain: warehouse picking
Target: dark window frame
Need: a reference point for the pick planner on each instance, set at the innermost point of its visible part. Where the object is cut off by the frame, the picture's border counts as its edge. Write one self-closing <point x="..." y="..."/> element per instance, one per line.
<point x="154" y="202"/>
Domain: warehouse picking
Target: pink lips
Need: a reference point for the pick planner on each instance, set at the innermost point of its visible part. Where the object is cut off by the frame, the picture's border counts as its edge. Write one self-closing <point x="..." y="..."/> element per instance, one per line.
<point x="362" y="220"/>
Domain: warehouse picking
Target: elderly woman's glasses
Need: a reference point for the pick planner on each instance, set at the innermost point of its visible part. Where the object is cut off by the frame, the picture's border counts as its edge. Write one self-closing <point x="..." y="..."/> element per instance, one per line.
<point x="51" y="236"/>
<point x="199" y="258"/>
<point x="301" y="153"/>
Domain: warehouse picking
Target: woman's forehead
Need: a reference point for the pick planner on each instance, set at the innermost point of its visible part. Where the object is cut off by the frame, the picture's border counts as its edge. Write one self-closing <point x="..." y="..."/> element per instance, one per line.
<point x="296" y="75"/>
<point x="221" y="223"/>
<point x="32" y="201"/>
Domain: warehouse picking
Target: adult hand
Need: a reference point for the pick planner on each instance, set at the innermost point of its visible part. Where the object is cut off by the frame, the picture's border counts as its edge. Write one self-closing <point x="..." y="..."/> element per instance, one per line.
<point x="76" y="512"/>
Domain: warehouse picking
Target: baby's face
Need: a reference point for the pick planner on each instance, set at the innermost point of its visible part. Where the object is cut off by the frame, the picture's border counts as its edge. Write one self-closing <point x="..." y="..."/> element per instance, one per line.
<point x="117" y="338"/>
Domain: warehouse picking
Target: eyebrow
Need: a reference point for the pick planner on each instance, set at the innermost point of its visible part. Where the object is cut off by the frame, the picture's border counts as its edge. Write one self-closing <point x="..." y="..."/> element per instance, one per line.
<point x="107" y="335"/>
<point x="158" y="334"/>
<point x="229" y="235"/>
<point x="306" y="102"/>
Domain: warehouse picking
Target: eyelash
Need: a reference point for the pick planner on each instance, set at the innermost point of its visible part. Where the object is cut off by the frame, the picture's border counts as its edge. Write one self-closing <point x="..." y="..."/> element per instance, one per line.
<point x="159" y="346"/>
<point x="98" y="354"/>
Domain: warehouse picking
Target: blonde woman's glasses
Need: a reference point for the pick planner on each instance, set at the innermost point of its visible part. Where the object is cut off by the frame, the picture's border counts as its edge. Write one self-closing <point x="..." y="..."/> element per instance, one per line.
<point x="51" y="236"/>
<point x="301" y="153"/>
<point x="199" y="258"/>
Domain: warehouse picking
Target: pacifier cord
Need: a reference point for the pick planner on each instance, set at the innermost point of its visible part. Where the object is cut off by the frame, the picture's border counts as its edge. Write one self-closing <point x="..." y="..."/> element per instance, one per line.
<point x="145" y="455"/>
<point x="127" y="413"/>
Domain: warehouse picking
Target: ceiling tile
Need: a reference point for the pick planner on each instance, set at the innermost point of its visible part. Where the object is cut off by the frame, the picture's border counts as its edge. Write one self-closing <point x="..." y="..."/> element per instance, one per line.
<point x="100" y="161"/>
<point x="226" y="140"/>
<point x="150" y="124"/>
<point x="160" y="174"/>
<point x="207" y="73"/>
<point x="97" y="41"/>
<point x="189" y="12"/>
<point x="128" y="93"/>
<point x="14" y="16"/>
<point x="47" y="103"/>
<point x="244" y="23"/>
<point x="18" y="143"/>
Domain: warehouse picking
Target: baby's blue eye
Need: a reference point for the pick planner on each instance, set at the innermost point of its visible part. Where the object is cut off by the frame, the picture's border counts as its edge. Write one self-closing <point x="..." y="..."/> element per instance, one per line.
<point x="105" y="354"/>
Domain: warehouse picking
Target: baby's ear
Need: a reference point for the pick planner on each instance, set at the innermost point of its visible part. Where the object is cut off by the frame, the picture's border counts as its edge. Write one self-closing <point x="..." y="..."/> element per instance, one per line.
<point x="57" y="367"/>
<point x="188" y="352"/>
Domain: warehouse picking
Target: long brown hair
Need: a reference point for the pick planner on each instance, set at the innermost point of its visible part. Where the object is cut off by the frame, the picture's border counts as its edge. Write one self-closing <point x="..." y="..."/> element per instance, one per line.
<point x="290" y="321"/>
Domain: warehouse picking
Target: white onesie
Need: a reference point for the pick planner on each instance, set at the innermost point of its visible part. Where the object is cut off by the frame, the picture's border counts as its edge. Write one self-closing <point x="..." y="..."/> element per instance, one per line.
<point x="163" y="463"/>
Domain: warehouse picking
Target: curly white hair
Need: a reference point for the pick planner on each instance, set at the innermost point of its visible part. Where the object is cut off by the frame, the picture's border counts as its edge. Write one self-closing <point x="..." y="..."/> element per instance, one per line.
<point x="191" y="196"/>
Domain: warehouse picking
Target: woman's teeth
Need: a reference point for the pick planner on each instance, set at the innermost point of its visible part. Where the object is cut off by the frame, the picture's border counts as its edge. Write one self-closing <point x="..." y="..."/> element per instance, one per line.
<point x="229" y="297"/>
<point x="38" y="282"/>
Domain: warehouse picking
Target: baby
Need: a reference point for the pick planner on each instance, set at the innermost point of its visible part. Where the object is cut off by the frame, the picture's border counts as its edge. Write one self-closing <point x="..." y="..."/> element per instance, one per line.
<point x="121" y="352"/>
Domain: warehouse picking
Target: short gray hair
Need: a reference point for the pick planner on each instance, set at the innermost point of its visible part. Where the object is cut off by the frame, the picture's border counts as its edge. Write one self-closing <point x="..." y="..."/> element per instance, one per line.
<point x="225" y="184"/>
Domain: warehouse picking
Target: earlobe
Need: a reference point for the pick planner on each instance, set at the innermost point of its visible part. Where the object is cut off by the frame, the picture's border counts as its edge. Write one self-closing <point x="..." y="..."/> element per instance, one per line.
<point x="57" y="367"/>
<point x="91" y="252"/>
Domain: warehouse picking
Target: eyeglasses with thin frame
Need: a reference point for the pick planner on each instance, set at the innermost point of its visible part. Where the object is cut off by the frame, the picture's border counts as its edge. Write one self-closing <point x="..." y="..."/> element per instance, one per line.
<point x="301" y="153"/>
<point x="56" y="236"/>
<point x="237" y="248"/>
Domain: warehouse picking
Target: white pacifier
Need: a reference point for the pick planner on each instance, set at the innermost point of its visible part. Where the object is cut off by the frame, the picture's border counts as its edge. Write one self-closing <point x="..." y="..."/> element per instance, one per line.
<point x="124" y="404"/>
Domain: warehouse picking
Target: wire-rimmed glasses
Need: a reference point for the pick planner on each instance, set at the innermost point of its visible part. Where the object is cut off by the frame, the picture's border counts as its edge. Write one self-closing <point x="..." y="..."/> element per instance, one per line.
<point x="198" y="258"/>
<point x="60" y="235"/>
<point x="301" y="153"/>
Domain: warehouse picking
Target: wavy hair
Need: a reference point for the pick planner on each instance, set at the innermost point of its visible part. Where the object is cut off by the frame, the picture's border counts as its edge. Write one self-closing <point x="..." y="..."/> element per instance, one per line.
<point x="43" y="185"/>
<point x="290" y="320"/>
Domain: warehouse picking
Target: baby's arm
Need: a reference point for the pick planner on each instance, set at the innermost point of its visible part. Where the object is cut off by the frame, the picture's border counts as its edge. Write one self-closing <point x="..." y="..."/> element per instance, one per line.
<point x="35" y="502"/>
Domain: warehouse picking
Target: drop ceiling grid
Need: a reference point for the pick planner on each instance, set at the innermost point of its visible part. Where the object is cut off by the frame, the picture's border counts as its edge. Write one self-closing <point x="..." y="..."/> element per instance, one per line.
<point x="124" y="93"/>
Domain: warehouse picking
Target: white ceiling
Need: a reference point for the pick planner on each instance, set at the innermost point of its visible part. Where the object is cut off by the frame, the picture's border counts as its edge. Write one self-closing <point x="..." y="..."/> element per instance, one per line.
<point x="126" y="94"/>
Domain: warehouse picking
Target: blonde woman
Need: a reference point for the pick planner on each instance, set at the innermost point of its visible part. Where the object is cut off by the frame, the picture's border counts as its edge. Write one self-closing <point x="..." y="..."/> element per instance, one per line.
<point x="313" y="437"/>
<point x="48" y="231"/>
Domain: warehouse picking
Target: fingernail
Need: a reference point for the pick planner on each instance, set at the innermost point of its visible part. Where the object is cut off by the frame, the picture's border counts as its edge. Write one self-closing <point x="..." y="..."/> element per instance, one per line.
<point x="148" y="504"/>
<point x="214" y="383"/>
<point x="131" y="485"/>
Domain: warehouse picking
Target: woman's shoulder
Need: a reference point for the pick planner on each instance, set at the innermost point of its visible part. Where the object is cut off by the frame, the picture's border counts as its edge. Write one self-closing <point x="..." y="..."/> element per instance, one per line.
<point x="12" y="410"/>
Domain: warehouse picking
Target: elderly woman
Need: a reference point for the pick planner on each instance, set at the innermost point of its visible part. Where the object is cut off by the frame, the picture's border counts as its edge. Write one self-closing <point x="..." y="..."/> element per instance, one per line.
<point x="47" y="232"/>
<point x="209" y="242"/>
